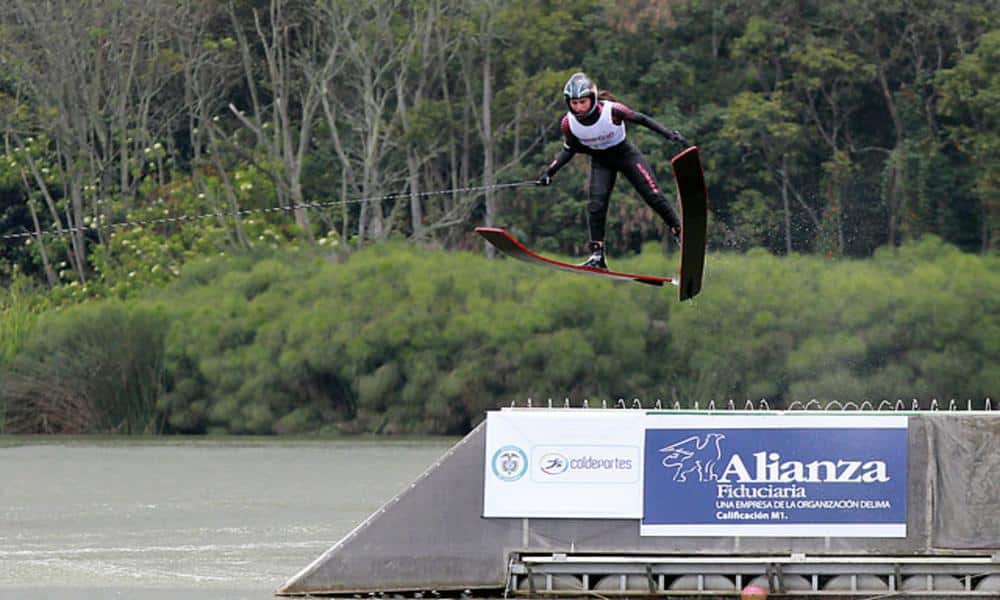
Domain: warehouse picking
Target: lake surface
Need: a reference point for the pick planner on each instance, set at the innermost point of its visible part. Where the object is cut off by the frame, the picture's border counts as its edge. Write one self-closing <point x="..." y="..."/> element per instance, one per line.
<point x="185" y="520"/>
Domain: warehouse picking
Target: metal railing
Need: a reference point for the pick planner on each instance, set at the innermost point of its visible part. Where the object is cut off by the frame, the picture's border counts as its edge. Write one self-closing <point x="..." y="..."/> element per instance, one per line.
<point x="763" y="405"/>
<point x="561" y="574"/>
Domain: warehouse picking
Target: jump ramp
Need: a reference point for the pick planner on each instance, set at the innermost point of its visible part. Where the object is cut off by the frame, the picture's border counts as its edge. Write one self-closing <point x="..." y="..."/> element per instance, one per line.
<point x="431" y="539"/>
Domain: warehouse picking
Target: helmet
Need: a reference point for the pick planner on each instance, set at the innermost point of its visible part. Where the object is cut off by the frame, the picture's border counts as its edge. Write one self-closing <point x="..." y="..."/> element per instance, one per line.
<point x="580" y="86"/>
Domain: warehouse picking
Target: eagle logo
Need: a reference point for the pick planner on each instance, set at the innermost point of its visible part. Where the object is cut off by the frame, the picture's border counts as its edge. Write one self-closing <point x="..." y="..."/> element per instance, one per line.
<point x="694" y="454"/>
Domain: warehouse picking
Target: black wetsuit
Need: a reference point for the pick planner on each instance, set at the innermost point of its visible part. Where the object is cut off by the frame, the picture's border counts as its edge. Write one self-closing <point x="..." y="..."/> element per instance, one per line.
<point x="606" y="163"/>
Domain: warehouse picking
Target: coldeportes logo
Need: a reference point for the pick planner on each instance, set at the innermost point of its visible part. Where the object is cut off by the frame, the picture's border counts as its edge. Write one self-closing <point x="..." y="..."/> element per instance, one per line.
<point x="509" y="463"/>
<point x="575" y="463"/>
<point x="554" y="463"/>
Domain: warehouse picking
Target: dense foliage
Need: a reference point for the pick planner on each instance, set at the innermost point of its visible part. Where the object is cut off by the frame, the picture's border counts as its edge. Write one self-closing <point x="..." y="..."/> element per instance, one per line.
<point x="835" y="127"/>
<point x="401" y="340"/>
<point x="205" y="179"/>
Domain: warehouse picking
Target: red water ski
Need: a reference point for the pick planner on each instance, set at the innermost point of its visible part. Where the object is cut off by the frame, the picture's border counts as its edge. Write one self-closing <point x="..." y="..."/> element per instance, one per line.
<point x="506" y="243"/>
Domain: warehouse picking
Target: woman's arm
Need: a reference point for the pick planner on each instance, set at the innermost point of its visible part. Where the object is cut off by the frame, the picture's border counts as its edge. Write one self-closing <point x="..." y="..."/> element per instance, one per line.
<point x="620" y="111"/>
<point x="562" y="158"/>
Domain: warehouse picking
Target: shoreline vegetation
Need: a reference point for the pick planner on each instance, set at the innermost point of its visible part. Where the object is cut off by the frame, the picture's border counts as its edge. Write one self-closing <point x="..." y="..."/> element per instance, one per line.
<point x="399" y="340"/>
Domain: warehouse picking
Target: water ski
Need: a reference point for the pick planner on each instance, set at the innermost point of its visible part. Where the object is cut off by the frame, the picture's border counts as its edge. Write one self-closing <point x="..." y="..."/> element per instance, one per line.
<point x="694" y="218"/>
<point x="507" y="244"/>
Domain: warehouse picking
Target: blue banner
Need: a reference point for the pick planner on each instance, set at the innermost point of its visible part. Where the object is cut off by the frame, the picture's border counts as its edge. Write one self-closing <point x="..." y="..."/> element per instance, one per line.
<point x="779" y="479"/>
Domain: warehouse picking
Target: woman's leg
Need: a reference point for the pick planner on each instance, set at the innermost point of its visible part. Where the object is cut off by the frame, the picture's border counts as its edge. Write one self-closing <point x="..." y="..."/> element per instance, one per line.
<point x="637" y="170"/>
<point x="601" y="182"/>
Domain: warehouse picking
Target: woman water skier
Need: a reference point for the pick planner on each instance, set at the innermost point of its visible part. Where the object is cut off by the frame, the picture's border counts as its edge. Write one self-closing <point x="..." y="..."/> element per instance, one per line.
<point x="595" y="125"/>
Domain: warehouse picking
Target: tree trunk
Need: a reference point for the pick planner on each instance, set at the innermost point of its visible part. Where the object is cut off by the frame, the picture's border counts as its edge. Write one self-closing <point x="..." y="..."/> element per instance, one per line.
<point x="50" y="274"/>
<point x="416" y="206"/>
<point x="489" y="178"/>
<point x="893" y="213"/>
<point x="785" y="204"/>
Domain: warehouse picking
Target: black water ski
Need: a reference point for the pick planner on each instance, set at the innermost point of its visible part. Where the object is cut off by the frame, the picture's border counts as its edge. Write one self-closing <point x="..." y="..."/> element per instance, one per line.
<point x="694" y="216"/>
<point x="506" y="243"/>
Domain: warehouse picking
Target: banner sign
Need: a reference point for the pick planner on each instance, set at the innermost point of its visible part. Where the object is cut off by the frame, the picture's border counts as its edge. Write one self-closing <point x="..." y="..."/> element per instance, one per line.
<point x="564" y="464"/>
<point x="776" y="475"/>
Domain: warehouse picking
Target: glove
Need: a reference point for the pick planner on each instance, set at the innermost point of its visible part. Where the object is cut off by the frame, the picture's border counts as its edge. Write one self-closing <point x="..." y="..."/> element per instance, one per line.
<point x="676" y="136"/>
<point x="544" y="179"/>
<point x="675" y="232"/>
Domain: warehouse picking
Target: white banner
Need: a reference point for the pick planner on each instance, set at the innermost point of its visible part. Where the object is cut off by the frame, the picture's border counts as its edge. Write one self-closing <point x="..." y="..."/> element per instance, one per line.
<point x="564" y="463"/>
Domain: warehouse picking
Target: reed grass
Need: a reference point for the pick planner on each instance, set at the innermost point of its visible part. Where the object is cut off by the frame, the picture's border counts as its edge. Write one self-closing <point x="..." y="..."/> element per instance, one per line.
<point x="18" y="315"/>
<point x="89" y="369"/>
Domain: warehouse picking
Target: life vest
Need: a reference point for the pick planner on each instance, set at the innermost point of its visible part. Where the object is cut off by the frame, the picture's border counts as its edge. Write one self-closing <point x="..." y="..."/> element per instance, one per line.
<point x="603" y="134"/>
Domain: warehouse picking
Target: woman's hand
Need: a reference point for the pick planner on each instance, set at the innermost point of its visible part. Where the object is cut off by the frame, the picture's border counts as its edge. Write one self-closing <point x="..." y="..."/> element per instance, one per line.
<point x="676" y="136"/>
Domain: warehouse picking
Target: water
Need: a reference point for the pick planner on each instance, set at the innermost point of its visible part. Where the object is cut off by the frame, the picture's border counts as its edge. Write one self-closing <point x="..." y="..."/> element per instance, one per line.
<point x="191" y="520"/>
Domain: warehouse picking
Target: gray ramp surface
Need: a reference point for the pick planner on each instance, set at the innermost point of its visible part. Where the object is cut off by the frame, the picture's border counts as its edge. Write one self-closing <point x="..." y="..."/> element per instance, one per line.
<point x="430" y="536"/>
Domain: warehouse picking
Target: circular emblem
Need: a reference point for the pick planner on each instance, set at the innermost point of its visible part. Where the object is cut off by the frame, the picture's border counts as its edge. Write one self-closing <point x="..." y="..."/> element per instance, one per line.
<point x="554" y="463"/>
<point x="510" y="463"/>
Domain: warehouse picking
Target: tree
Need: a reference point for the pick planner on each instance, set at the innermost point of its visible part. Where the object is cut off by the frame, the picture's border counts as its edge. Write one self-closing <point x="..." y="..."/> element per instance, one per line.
<point x="360" y="117"/>
<point x="970" y="95"/>
<point x="826" y="79"/>
<point x="764" y="123"/>
<point x="297" y="64"/>
<point x="765" y="127"/>
<point x="93" y="77"/>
